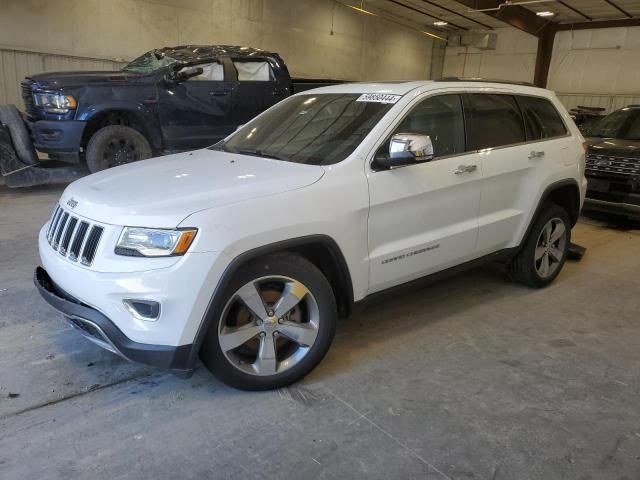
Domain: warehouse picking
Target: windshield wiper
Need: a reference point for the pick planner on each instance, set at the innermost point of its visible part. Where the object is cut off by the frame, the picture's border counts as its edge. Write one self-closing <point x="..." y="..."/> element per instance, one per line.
<point x="251" y="151"/>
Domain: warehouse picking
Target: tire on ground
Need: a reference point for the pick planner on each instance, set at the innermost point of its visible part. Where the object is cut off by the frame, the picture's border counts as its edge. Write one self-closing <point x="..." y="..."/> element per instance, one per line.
<point x="288" y="265"/>
<point x="522" y="268"/>
<point x="100" y="141"/>
<point x="22" y="143"/>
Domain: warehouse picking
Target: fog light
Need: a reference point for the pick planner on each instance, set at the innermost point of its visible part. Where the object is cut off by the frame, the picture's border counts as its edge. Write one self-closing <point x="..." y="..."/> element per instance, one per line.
<point x="143" y="309"/>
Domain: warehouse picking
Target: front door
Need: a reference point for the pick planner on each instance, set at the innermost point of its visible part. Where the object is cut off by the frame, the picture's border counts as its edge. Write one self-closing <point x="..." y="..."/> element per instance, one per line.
<point x="197" y="112"/>
<point x="424" y="218"/>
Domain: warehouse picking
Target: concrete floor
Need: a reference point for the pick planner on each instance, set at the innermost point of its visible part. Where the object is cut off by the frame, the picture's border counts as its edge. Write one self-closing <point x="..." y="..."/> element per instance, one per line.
<point x="470" y="378"/>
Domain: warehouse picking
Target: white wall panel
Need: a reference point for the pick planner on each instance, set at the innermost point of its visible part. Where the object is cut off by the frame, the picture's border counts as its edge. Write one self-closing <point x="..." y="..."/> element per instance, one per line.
<point x="513" y="59"/>
<point x="597" y="62"/>
<point x="317" y="38"/>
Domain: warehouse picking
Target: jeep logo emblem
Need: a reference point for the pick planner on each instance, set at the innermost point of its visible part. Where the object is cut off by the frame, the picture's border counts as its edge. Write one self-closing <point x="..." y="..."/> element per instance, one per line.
<point x="72" y="203"/>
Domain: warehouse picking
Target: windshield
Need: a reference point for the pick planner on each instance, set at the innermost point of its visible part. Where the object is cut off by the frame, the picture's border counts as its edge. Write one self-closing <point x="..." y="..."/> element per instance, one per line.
<point x="320" y="129"/>
<point x="149" y="62"/>
<point x="623" y="124"/>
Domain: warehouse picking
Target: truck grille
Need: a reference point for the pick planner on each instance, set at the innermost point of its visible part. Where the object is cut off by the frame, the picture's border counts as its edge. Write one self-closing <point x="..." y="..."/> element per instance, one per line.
<point x="618" y="166"/>
<point x="72" y="237"/>
<point x="27" y="97"/>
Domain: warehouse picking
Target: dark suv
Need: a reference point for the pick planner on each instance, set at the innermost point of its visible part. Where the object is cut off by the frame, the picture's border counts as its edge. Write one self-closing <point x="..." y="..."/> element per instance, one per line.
<point x="168" y="99"/>
<point x="613" y="164"/>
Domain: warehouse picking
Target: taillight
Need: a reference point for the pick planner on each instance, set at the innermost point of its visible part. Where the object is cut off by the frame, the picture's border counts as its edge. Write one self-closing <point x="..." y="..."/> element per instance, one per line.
<point x="585" y="147"/>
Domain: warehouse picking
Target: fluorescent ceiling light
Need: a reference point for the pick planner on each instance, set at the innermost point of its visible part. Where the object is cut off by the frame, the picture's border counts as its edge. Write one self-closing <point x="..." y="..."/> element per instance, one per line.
<point x="546" y="13"/>
<point x="440" y="23"/>
<point x="433" y="35"/>
<point x="362" y="10"/>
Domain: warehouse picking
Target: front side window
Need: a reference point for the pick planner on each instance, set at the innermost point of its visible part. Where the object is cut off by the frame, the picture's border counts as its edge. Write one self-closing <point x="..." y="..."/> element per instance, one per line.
<point x="440" y="118"/>
<point x="320" y="129"/>
<point x="493" y="120"/>
<point x="541" y="118"/>
<point x="253" y="71"/>
<point x="211" y="72"/>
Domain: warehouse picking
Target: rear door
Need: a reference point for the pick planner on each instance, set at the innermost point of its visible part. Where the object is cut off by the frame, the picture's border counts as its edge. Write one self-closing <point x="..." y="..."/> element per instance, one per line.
<point x="424" y="217"/>
<point x="520" y="140"/>
<point x="255" y="88"/>
<point x="197" y="112"/>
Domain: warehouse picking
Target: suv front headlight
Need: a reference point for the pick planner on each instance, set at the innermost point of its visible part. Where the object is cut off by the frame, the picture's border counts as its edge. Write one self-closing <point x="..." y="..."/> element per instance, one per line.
<point x="54" y="102"/>
<point x="154" y="242"/>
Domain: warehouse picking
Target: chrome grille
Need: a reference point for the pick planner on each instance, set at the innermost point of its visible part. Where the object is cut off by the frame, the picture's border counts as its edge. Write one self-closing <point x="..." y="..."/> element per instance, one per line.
<point x="613" y="164"/>
<point x="72" y="237"/>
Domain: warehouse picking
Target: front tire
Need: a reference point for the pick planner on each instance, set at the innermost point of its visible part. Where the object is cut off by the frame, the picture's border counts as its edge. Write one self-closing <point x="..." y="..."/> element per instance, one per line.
<point x="116" y="145"/>
<point x="545" y="250"/>
<point x="276" y="324"/>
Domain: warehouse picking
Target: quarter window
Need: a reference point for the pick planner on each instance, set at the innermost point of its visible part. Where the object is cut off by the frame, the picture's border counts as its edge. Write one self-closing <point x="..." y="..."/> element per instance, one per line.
<point x="253" y="71"/>
<point x="440" y="117"/>
<point x="541" y="118"/>
<point x="493" y="120"/>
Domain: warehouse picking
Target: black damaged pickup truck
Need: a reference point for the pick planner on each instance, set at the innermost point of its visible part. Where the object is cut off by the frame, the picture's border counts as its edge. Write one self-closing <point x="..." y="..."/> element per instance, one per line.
<point x="167" y="100"/>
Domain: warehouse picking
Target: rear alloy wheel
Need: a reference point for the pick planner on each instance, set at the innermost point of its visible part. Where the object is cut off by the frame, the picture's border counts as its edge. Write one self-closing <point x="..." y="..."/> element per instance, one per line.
<point x="545" y="250"/>
<point x="116" y="145"/>
<point x="275" y="327"/>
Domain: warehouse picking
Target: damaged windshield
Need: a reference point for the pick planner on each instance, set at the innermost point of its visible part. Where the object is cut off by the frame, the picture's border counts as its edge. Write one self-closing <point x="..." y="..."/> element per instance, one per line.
<point x="320" y="129"/>
<point x="149" y="62"/>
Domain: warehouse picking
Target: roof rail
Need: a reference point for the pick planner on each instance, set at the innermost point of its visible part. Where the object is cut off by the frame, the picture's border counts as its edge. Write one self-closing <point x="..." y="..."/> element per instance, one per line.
<point x="485" y="80"/>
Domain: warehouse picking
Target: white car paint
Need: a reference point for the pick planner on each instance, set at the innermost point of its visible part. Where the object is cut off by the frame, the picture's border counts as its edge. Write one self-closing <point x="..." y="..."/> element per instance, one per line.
<point x="239" y="203"/>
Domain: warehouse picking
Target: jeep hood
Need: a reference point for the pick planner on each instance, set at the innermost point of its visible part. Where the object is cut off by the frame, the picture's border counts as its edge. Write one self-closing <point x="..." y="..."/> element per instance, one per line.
<point x="161" y="192"/>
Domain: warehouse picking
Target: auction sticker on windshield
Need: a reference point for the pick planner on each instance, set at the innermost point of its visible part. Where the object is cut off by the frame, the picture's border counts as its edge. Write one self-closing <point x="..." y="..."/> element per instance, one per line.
<point x="378" y="98"/>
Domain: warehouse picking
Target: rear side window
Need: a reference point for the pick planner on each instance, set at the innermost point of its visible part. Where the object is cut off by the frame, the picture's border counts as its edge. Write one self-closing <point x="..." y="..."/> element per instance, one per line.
<point x="493" y="120"/>
<point x="541" y="118"/>
<point x="253" y="71"/>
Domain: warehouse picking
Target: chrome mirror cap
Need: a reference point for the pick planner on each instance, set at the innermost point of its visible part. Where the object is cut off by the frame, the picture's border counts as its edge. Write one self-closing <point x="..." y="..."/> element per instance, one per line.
<point x="411" y="146"/>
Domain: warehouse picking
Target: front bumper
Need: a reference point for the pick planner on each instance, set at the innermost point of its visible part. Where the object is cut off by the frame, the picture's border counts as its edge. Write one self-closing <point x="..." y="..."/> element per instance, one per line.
<point x="100" y="330"/>
<point x="616" y="208"/>
<point x="58" y="137"/>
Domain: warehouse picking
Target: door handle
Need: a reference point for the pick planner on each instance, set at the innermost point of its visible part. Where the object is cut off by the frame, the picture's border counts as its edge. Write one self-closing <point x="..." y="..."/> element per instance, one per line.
<point x="465" y="169"/>
<point x="218" y="93"/>
<point x="534" y="154"/>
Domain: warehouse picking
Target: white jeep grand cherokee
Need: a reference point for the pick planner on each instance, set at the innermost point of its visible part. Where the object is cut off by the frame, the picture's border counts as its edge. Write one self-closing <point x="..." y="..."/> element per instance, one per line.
<point x="245" y="253"/>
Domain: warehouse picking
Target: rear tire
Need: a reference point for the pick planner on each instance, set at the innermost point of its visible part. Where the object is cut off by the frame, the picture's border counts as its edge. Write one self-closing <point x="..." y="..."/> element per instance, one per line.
<point x="545" y="250"/>
<point x="258" y="340"/>
<point x="20" y="136"/>
<point x="116" y="145"/>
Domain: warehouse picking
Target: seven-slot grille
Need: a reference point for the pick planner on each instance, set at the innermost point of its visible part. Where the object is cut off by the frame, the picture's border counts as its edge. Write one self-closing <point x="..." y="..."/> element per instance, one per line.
<point x="613" y="165"/>
<point x="72" y="237"/>
<point x="27" y="97"/>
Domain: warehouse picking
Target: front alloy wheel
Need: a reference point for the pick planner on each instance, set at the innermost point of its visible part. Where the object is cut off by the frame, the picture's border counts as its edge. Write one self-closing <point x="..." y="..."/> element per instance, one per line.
<point x="275" y="325"/>
<point x="269" y="325"/>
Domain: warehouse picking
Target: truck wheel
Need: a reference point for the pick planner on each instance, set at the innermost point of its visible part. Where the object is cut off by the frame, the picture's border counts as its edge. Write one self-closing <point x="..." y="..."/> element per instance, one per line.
<point x="276" y="324"/>
<point x="116" y="145"/>
<point x="545" y="250"/>
<point x="22" y="144"/>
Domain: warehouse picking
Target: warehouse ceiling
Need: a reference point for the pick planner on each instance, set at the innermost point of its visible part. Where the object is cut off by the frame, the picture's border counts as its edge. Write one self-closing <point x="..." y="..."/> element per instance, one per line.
<point x="442" y="16"/>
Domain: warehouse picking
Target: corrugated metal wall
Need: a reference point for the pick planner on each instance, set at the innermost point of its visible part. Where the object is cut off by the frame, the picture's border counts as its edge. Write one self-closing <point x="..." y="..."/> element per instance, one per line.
<point x="17" y="64"/>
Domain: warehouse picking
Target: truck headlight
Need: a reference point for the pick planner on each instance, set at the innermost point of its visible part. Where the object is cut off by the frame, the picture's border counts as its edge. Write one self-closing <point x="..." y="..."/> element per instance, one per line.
<point x="154" y="242"/>
<point x="54" y="102"/>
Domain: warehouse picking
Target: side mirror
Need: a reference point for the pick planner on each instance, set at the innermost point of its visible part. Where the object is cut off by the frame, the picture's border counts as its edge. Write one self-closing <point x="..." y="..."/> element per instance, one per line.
<point x="406" y="149"/>
<point x="186" y="73"/>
